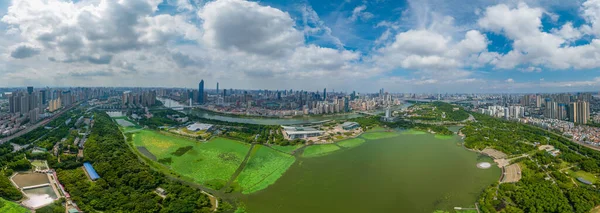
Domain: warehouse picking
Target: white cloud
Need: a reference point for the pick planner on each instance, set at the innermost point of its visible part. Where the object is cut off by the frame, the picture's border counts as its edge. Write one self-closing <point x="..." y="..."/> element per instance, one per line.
<point x="249" y="27"/>
<point x="360" y="13"/>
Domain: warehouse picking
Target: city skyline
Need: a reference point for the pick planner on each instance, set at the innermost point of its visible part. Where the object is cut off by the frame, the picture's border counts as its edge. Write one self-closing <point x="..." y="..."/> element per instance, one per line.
<point x="412" y="46"/>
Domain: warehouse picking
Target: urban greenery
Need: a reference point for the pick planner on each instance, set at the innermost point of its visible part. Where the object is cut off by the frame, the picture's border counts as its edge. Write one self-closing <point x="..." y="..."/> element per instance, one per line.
<point x="263" y="168"/>
<point x="354" y="142"/>
<point x="10" y="207"/>
<point x="126" y="184"/>
<point x="545" y="185"/>
<point x="319" y="150"/>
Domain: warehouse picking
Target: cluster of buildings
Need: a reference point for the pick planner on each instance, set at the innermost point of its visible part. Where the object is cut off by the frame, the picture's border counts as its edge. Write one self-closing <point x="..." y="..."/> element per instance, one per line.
<point x="138" y="99"/>
<point x="32" y="105"/>
<point x="504" y="112"/>
<point x="278" y="103"/>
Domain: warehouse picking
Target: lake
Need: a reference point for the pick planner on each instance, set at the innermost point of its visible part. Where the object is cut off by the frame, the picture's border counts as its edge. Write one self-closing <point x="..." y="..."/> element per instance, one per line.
<point x="407" y="173"/>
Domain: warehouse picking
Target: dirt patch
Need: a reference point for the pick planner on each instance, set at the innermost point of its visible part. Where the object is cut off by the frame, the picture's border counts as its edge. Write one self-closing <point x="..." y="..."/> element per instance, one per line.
<point x="494" y="153"/>
<point x="512" y="173"/>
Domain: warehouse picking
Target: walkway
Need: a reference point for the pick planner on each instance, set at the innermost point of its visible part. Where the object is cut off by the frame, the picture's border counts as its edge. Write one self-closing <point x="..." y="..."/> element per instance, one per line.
<point x="239" y="169"/>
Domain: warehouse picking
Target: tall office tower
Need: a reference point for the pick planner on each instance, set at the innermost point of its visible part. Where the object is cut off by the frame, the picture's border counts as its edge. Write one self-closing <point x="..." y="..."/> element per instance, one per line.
<point x="44" y="96"/>
<point x="30" y="90"/>
<point x="217" y="88"/>
<point x="201" y="92"/>
<point x="346" y="105"/>
<point x="538" y="102"/>
<point x="324" y="93"/>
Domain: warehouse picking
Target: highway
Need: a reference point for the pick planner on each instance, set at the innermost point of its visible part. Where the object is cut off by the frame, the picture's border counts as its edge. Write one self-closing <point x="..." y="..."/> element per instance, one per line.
<point x="35" y="126"/>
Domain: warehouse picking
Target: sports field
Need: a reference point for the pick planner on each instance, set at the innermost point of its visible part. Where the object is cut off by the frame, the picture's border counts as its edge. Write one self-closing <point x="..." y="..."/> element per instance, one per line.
<point x="263" y="168"/>
<point x="10" y="207"/>
<point x="319" y="150"/>
<point x="216" y="159"/>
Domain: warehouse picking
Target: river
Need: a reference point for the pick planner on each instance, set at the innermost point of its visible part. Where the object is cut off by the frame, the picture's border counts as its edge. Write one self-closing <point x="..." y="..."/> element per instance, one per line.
<point x="407" y="173"/>
<point x="265" y="121"/>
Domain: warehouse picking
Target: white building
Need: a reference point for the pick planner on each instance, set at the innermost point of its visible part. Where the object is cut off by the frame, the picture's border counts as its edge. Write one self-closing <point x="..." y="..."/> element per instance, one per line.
<point x="199" y="127"/>
<point x="291" y="132"/>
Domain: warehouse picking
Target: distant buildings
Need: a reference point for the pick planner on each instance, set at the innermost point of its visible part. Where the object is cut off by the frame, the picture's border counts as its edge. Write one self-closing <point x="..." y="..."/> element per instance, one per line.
<point x="579" y="112"/>
<point x="201" y="92"/>
<point x="138" y="99"/>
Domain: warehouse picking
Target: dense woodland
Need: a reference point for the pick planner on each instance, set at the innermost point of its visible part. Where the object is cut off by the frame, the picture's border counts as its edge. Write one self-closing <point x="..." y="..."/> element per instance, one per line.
<point x="428" y="114"/>
<point x="126" y="184"/>
<point x="534" y="193"/>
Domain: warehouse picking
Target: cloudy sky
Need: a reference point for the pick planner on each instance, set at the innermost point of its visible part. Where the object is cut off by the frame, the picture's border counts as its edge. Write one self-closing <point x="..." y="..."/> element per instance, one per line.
<point x="403" y="46"/>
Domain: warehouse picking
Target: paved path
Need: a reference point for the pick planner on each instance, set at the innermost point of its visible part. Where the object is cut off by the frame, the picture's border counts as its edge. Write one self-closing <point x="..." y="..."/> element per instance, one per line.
<point x="239" y="169"/>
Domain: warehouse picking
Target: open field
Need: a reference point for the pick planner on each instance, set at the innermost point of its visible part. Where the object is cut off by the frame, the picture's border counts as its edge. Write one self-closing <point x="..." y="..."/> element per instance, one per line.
<point x="512" y="174"/>
<point x="264" y="167"/>
<point x="216" y="159"/>
<point x="585" y="175"/>
<point x="287" y="149"/>
<point x="39" y="164"/>
<point x="354" y="142"/>
<point x="10" y="207"/>
<point x="379" y="135"/>
<point x="319" y="150"/>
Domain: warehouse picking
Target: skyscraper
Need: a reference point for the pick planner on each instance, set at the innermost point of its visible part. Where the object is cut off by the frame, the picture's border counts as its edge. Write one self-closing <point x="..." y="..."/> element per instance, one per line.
<point x="217" y="88"/>
<point x="579" y="112"/>
<point x="201" y="92"/>
<point x="30" y="90"/>
<point x="324" y="93"/>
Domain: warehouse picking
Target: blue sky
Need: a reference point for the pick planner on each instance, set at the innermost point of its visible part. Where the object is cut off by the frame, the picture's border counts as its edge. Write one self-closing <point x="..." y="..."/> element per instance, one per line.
<point x="403" y="46"/>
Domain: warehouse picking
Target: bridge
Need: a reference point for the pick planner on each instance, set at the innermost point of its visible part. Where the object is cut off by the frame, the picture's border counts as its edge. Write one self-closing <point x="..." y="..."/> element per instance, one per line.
<point x="366" y="113"/>
<point x="35" y="186"/>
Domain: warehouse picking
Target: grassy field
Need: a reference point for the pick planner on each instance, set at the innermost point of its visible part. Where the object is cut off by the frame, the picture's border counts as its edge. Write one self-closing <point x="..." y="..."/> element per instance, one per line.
<point x="585" y="175"/>
<point x="287" y="149"/>
<point x="216" y="159"/>
<point x="354" y="142"/>
<point x="10" y="207"/>
<point x="319" y="150"/>
<point x="379" y="135"/>
<point x="264" y="167"/>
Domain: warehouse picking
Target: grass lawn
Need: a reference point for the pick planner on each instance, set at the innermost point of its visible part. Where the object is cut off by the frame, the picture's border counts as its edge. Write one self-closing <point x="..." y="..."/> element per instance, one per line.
<point x="319" y="150"/>
<point x="585" y="175"/>
<point x="287" y="149"/>
<point x="379" y="135"/>
<point x="10" y="207"/>
<point x="264" y="167"/>
<point x="354" y="142"/>
<point x="216" y="159"/>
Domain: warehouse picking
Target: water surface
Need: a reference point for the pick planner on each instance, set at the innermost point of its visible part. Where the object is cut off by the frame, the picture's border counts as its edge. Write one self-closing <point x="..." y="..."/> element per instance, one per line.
<point x="408" y="173"/>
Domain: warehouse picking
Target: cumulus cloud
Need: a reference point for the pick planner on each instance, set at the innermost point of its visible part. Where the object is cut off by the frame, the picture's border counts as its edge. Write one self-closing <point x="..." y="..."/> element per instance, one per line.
<point x="24" y="51"/>
<point x="249" y="27"/>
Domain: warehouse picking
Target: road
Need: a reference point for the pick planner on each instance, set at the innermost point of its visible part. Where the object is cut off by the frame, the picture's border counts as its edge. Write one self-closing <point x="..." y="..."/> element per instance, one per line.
<point x="35" y="126"/>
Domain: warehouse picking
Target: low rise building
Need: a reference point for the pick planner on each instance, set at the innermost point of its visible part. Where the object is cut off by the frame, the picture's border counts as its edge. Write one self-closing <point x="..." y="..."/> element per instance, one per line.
<point x="290" y="132"/>
<point x="199" y="127"/>
<point x="350" y="125"/>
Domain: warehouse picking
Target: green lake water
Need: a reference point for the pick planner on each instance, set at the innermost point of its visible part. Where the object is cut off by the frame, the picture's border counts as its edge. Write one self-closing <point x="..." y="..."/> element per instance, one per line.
<point x="407" y="173"/>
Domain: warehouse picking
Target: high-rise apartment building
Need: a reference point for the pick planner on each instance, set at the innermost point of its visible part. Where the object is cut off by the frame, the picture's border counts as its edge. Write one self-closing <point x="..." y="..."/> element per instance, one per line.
<point x="579" y="112"/>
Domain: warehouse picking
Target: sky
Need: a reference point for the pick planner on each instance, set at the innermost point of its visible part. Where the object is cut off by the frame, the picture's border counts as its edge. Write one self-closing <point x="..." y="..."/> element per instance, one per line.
<point x="414" y="46"/>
